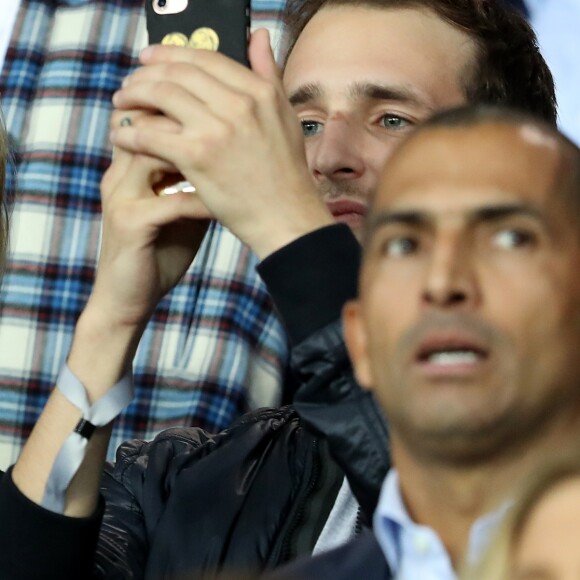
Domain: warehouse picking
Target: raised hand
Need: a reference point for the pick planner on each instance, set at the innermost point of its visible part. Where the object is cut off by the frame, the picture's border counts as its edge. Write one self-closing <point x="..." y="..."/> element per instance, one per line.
<point x="148" y="241"/>
<point x="234" y="136"/>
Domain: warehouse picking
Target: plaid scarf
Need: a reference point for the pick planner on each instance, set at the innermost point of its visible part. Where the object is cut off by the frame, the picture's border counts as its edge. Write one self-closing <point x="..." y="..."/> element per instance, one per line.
<point x="213" y="348"/>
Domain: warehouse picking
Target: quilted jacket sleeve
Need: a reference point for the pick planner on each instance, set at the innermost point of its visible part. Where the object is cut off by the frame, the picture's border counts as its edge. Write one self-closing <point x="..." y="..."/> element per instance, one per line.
<point x="324" y="266"/>
<point x="135" y="489"/>
<point x="39" y="544"/>
<point x="331" y="403"/>
<point x="190" y="503"/>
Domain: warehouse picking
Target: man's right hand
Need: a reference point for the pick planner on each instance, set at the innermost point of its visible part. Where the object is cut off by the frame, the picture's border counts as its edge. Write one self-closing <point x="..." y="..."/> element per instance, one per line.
<point x="234" y="135"/>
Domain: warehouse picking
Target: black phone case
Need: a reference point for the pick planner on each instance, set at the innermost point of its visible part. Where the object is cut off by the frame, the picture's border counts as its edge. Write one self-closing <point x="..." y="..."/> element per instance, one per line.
<point x="230" y="19"/>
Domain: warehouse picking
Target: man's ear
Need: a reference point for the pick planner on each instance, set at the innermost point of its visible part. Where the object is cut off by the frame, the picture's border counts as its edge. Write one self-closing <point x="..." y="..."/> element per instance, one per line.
<point x="356" y="342"/>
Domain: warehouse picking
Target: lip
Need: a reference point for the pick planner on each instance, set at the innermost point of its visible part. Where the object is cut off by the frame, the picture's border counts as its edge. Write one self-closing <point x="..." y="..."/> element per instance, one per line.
<point x="351" y="213"/>
<point x="452" y="341"/>
<point x="343" y="207"/>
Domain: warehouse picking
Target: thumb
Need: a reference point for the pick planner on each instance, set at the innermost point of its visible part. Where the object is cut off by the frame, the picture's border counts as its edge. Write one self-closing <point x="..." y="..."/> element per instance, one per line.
<point x="261" y="55"/>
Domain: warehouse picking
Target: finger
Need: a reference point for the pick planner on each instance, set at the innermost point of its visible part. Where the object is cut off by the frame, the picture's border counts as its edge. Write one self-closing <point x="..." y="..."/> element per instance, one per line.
<point x="122" y="158"/>
<point x="262" y="57"/>
<point x="157" y="212"/>
<point x="119" y="117"/>
<point x="174" y="150"/>
<point x="259" y="50"/>
<point x="135" y="176"/>
<point x="178" y="90"/>
<point x="172" y="100"/>
<point x="153" y="90"/>
<point x="114" y="173"/>
<point x="229" y="72"/>
<point x="120" y="167"/>
<point x="159" y="95"/>
<point x="138" y="182"/>
<point x="207" y="76"/>
<point x="133" y="117"/>
<point x="191" y="156"/>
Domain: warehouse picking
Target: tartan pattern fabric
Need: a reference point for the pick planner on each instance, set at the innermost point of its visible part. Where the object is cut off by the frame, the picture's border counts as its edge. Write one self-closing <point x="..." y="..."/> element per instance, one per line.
<point x="210" y="338"/>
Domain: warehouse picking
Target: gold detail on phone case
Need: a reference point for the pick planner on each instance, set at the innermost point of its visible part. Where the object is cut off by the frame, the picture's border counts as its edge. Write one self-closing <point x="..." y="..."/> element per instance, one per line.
<point x="175" y="39"/>
<point x="204" y="38"/>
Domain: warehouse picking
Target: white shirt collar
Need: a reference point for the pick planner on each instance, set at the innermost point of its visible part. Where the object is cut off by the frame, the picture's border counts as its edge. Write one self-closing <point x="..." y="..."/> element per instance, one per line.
<point x="415" y="551"/>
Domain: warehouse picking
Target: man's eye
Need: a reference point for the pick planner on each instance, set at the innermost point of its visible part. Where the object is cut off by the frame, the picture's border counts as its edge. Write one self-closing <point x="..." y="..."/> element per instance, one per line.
<point x="390" y="121"/>
<point x="508" y="239"/>
<point x="310" y="128"/>
<point x="397" y="247"/>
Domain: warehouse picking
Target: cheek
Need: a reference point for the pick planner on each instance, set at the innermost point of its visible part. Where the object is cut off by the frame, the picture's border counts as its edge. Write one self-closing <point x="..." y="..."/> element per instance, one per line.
<point x="391" y="307"/>
<point x="309" y="151"/>
<point x="535" y="299"/>
<point x="378" y="150"/>
<point x="536" y="308"/>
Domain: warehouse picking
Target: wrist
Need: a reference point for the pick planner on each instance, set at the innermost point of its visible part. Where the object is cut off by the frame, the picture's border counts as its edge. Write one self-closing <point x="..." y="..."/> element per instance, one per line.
<point x="272" y="235"/>
<point x="102" y="351"/>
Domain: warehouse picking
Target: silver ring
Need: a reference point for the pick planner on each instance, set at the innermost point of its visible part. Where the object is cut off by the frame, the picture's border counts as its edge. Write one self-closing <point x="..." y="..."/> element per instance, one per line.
<point x="126" y="122"/>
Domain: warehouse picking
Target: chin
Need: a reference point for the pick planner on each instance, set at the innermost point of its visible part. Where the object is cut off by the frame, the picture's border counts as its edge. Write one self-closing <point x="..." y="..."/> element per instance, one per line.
<point x="354" y="221"/>
<point x="464" y="441"/>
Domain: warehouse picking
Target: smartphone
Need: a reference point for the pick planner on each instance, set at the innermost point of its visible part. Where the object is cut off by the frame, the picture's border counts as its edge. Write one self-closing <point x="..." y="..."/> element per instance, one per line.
<point x="221" y="25"/>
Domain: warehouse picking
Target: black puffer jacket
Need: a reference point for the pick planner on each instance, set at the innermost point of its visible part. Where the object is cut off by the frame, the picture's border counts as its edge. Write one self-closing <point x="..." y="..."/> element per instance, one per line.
<point x="258" y="493"/>
<point x="251" y="497"/>
<point x="190" y="504"/>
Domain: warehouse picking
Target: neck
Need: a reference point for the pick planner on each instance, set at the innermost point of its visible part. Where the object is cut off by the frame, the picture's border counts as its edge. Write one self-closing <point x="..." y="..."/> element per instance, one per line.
<point x="450" y="496"/>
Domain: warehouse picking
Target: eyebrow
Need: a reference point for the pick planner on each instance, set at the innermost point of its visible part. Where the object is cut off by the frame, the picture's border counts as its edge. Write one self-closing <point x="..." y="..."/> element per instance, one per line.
<point x="487" y="214"/>
<point x="305" y="94"/>
<point x="360" y="90"/>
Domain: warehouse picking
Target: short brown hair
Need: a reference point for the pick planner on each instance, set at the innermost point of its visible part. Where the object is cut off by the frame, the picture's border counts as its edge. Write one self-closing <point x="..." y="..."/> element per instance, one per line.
<point x="510" y="69"/>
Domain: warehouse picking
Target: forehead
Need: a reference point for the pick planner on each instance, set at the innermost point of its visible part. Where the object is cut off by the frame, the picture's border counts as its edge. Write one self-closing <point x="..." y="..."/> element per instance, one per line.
<point x="411" y="48"/>
<point x="455" y="168"/>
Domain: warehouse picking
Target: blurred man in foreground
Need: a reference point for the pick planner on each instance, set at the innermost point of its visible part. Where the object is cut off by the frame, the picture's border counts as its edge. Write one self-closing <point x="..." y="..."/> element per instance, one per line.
<point x="467" y="330"/>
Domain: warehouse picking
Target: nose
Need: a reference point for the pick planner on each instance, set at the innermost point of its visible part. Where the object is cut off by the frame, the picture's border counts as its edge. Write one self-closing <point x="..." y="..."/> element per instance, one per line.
<point x="338" y="152"/>
<point x="451" y="281"/>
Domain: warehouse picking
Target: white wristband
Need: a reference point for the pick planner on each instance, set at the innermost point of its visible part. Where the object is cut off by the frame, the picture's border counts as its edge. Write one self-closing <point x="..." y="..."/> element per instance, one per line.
<point x="72" y="452"/>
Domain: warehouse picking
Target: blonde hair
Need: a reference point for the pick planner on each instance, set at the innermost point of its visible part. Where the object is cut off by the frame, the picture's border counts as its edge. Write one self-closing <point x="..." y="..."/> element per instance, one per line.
<point x="497" y="564"/>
